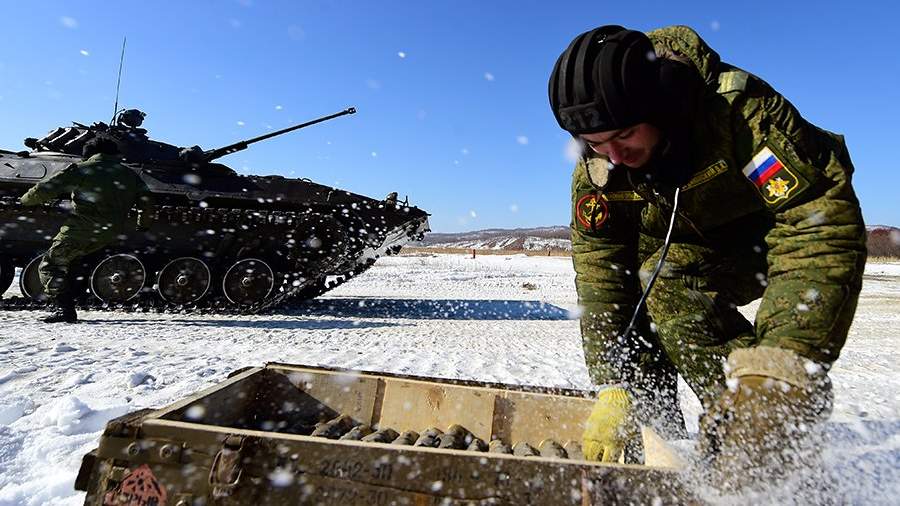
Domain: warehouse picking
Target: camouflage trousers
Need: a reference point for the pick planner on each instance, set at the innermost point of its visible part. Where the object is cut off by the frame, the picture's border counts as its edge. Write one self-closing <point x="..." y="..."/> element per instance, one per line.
<point x="67" y="247"/>
<point x="693" y="305"/>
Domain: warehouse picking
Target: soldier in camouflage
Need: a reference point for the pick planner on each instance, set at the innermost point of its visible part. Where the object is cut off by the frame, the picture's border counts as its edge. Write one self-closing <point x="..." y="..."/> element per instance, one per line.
<point x="103" y="192"/>
<point x="762" y="206"/>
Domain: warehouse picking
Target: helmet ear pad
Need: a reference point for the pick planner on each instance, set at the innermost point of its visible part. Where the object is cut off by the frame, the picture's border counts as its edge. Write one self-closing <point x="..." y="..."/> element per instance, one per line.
<point x="628" y="77"/>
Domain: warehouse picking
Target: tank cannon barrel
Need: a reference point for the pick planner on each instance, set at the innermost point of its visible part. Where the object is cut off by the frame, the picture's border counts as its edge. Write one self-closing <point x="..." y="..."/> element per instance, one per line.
<point x="212" y="154"/>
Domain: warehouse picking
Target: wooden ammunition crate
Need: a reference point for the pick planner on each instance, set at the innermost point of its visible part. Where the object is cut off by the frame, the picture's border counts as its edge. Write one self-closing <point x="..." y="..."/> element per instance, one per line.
<point x="243" y="441"/>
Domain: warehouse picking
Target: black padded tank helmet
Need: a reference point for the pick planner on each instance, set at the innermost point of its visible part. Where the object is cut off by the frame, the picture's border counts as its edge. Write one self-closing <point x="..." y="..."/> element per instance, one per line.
<point x="607" y="79"/>
<point x="99" y="144"/>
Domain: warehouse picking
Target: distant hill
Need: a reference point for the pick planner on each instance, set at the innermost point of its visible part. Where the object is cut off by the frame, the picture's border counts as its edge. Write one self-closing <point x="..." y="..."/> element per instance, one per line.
<point x="540" y="238"/>
<point x="884" y="241"/>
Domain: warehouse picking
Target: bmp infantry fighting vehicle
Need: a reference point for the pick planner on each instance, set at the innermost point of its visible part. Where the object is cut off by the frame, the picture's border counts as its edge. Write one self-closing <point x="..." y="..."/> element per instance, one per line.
<point x="219" y="240"/>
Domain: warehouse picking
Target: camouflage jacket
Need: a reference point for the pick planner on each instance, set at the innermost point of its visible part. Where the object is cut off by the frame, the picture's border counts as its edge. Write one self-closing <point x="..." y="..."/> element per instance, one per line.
<point x="102" y="190"/>
<point x="761" y="174"/>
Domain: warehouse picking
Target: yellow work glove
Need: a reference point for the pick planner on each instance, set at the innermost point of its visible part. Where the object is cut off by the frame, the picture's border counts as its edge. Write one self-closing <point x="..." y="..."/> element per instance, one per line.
<point x="610" y="426"/>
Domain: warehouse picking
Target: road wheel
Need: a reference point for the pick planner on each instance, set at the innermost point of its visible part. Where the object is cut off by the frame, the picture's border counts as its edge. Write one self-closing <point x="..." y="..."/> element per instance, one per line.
<point x="184" y="280"/>
<point x="118" y="278"/>
<point x="30" y="281"/>
<point x="248" y="282"/>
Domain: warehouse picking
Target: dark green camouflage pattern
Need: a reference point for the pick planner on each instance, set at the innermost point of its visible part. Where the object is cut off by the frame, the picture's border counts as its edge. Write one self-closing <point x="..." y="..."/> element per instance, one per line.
<point x="802" y="250"/>
<point x="54" y="268"/>
<point x="694" y="304"/>
<point x="103" y="192"/>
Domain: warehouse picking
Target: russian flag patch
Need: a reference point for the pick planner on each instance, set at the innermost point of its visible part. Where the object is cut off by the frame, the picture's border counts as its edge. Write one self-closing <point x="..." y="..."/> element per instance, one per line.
<point x="762" y="167"/>
<point x="775" y="181"/>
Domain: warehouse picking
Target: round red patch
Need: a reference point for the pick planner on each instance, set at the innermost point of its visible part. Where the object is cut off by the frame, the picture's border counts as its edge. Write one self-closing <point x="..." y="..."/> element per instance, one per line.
<point x="587" y="206"/>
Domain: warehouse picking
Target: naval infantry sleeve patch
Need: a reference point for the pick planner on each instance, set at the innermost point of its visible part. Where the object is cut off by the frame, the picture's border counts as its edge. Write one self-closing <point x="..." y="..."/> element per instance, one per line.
<point x="777" y="183"/>
<point x="591" y="211"/>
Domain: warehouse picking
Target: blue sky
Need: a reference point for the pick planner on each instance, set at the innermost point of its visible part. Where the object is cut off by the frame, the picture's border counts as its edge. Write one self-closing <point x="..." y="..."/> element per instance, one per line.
<point x="451" y="95"/>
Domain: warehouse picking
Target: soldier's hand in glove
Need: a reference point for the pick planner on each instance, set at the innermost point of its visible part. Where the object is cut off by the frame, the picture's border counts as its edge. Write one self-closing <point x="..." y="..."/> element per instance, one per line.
<point x="760" y="427"/>
<point x="610" y="427"/>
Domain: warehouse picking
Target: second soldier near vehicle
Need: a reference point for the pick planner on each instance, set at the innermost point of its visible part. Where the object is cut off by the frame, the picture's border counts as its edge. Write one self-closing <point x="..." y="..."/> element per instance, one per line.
<point x="103" y="191"/>
<point x="762" y="205"/>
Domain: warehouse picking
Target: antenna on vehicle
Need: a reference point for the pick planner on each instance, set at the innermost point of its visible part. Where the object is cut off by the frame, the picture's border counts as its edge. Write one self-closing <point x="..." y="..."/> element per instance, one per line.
<point x="118" y="81"/>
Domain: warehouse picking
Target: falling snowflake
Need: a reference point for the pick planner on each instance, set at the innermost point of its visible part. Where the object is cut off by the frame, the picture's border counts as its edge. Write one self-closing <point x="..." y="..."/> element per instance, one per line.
<point x="296" y="33"/>
<point x="278" y="108"/>
<point x="68" y="22"/>
<point x="811" y="295"/>
<point x="812" y="368"/>
<point x="521" y="139"/>
<point x="195" y="412"/>
<point x="473" y="214"/>
<point x="715" y="25"/>
<point x="732" y="384"/>
<point x="240" y="123"/>
<point x="488" y="76"/>
<point x="401" y="54"/>
<point x="514" y="208"/>
<point x="574" y="149"/>
<point x="84" y="52"/>
<point x="818" y="218"/>
<point x="281" y="478"/>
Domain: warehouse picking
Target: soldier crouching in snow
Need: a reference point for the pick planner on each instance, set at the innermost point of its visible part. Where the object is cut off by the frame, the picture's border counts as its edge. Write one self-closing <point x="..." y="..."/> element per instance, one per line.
<point x="702" y="172"/>
<point x="102" y="192"/>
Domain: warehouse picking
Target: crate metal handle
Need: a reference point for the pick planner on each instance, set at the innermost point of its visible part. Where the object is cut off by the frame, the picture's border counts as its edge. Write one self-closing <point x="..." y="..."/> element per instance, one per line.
<point x="225" y="472"/>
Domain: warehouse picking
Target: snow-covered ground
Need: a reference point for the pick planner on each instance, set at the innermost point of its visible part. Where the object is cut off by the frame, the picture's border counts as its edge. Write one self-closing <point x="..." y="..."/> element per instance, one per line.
<point x="497" y="318"/>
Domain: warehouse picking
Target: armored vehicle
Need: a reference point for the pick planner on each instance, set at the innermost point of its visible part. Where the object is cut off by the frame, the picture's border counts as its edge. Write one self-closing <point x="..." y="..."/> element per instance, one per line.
<point x="220" y="239"/>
